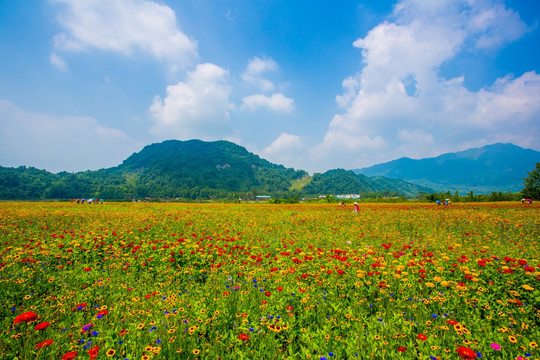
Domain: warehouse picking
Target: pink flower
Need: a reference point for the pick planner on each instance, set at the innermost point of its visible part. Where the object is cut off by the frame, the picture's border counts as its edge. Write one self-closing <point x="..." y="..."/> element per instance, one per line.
<point x="495" y="346"/>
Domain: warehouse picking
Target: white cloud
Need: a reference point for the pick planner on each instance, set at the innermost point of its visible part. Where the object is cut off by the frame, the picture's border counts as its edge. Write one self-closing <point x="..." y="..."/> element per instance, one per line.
<point x="59" y="143"/>
<point x="285" y="143"/>
<point x="286" y="149"/>
<point x="58" y="62"/>
<point x="276" y="102"/>
<point x="256" y="69"/>
<point x="197" y="108"/>
<point x="380" y="112"/>
<point x="124" y="26"/>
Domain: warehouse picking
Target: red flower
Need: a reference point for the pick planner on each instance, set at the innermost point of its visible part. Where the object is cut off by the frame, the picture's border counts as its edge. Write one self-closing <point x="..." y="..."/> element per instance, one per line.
<point x="26" y="317"/>
<point x="87" y="269"/>
<point x="93" y="352"/>
<point x="69" y="355"/>
<point x="466" y="353"/>
<point x="44" y="344"/>
<point x="267" y="293"/>
<point x="80" y="306"/>
<point x="101" y="313"/>
<point x="401" y="349"/>
<point x="279" y="288"/>
<point x="243" y="337"/>
<point x="42" y="326"/>
<point x="422" y="337"/>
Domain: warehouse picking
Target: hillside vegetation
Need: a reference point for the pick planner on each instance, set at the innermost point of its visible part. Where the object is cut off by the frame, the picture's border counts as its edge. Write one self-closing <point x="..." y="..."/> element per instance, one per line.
<point x="192" y="170"/>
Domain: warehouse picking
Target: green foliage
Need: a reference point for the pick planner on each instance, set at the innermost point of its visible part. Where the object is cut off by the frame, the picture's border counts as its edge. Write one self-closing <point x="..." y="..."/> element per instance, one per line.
<point x="532" y="184"/>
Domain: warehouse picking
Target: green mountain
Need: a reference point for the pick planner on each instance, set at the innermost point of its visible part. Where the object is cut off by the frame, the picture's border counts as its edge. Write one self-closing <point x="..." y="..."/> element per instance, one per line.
<point x="497" y="167"/>
<point x="342" y="182"/>
<point x="192" y="169"/>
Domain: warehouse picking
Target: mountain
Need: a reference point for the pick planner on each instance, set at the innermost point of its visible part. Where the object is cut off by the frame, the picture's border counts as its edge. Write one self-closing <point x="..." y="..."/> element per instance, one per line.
<point x="178" y="168"/>
<point x="343" y="182"/>
<point x="192" y="169"/>
<point x="497" y="167"/>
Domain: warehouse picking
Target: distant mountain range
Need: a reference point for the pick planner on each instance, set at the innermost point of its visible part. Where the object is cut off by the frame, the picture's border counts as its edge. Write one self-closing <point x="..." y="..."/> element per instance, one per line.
<point x="198" y="170"/>
<point x="497" y="167"/>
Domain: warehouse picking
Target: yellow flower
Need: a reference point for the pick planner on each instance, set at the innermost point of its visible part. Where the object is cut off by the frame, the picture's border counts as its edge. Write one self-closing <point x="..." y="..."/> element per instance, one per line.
<point x="528" y="287"/>
<point x="110" y="352"/>
<point x="512" y="339"/>
<point x="533" y="344"/>
<point x="196" y="351"/>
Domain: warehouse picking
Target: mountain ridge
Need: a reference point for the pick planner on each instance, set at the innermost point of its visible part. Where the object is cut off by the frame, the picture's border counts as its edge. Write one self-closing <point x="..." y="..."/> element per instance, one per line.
<point x="193" y="169"/>
<point x="495" y="167"/>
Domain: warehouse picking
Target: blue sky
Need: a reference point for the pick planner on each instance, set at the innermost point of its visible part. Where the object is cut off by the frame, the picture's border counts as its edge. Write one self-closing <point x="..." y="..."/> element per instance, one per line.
<point x="306" y="84"/>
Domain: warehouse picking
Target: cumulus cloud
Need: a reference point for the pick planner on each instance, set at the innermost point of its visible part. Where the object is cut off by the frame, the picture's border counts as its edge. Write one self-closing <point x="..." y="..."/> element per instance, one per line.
<point x="196" y="108"/>
<point x="399" y="104"/>
<point x="254" y="74"/>
<point x="124" y="26"/>
<point x="58" y="143"/>
<point x="286" y="149"/>
<point x="276" y="102"/>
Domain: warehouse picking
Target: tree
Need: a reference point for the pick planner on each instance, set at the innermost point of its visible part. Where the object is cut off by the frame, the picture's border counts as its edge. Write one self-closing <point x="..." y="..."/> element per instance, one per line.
<point x="532" y="184"/>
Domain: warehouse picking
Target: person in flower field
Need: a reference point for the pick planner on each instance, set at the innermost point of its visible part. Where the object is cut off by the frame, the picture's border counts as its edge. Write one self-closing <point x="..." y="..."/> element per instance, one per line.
<point x="356" y="207"/>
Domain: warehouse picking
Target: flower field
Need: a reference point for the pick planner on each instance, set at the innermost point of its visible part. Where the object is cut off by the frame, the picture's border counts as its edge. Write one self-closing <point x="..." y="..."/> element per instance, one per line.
<point x="255" y="281"/>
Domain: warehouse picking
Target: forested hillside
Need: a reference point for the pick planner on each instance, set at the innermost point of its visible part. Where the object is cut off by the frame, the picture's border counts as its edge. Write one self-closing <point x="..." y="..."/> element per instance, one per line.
<point x="192" y="170"/>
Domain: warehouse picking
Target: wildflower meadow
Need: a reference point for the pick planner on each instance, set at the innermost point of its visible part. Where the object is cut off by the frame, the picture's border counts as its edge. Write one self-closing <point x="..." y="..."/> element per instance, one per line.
<point x="261" y="281"/>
